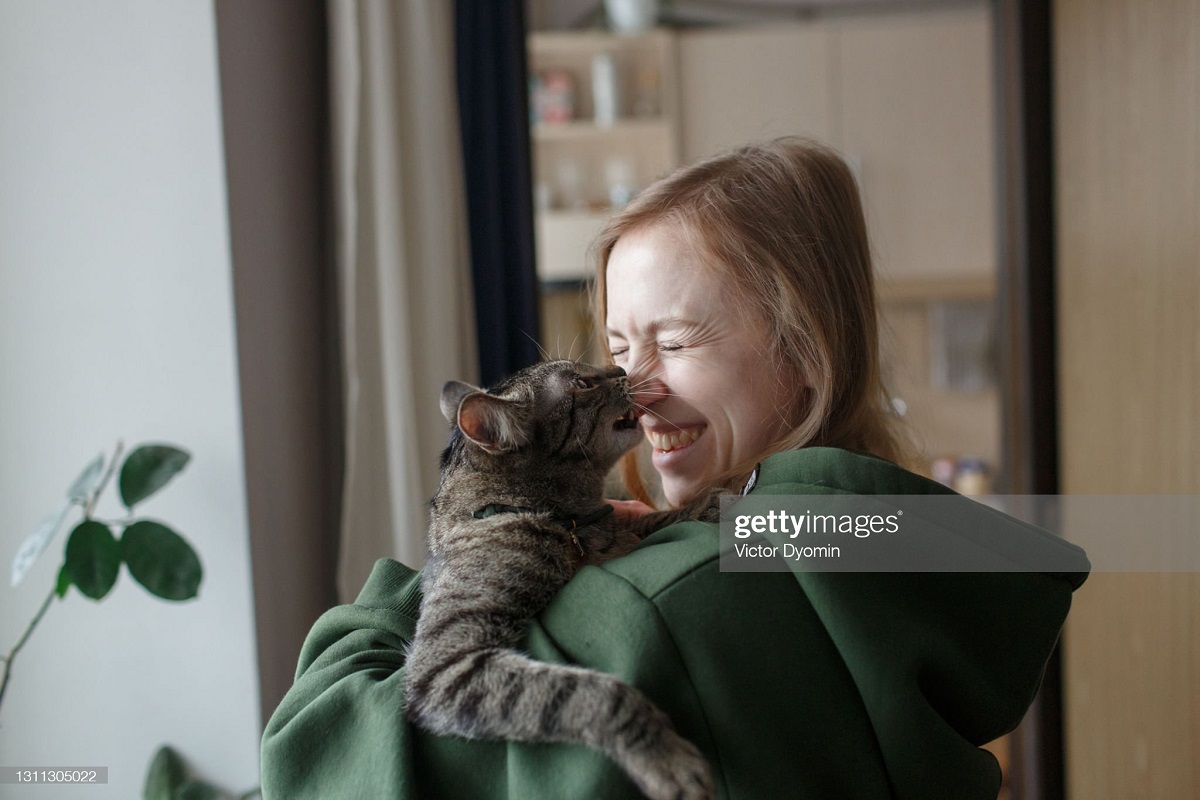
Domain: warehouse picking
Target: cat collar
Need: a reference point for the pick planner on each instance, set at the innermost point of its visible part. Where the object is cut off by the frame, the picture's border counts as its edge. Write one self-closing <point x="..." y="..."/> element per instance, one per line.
<point x="568" y="521"/>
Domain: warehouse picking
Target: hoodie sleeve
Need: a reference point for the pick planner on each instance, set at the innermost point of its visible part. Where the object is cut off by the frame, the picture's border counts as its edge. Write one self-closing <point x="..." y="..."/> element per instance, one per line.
<point x="340" y="730"/>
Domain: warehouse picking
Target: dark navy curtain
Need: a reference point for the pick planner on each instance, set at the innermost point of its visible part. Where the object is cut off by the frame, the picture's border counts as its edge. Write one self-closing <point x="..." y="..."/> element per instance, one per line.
<point x="494" y="118"/>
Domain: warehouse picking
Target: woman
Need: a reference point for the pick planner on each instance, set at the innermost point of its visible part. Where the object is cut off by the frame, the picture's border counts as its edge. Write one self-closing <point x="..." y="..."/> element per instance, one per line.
<point x="747" y="279"/>
<point x="738" y="295"/>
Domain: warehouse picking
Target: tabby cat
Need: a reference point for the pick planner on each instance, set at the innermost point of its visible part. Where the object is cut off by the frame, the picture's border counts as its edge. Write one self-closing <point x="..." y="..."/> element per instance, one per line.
<point x="518" y="511"/>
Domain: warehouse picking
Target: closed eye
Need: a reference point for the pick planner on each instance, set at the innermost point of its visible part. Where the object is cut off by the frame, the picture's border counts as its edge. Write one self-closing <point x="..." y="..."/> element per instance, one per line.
<point x="580" y="382"/>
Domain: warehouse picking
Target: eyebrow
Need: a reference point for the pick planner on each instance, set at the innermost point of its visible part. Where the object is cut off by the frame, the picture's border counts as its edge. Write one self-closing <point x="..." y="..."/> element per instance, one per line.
<point x="660" y="324"/>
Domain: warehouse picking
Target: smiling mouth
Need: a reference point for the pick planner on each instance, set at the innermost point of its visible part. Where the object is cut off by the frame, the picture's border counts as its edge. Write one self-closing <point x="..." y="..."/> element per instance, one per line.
<point x="666" y="441"/>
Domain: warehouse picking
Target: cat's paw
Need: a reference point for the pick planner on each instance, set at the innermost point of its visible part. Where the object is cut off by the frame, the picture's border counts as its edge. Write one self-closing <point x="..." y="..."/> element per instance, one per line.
<point x="673" y="771"/>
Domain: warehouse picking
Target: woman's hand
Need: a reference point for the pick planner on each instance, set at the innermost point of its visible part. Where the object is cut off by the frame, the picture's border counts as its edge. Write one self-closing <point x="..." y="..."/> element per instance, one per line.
<point x="629" y="510"/>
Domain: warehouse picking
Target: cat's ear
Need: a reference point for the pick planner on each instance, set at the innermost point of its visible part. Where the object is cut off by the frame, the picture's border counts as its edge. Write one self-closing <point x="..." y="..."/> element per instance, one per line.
<point x="493" y="423"/>
<point x="453" y="393"/>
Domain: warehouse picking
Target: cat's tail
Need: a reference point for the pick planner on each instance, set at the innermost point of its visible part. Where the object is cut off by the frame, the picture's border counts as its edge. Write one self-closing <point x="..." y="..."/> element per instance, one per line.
<point x="498" y="693"/>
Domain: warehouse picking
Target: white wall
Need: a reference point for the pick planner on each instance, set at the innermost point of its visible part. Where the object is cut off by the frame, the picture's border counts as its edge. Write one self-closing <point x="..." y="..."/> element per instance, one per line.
<point x="116" y="321"/>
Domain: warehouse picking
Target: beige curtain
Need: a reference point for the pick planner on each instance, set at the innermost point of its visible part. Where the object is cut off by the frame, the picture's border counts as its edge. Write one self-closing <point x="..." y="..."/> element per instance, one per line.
<point x="407" y="318"/>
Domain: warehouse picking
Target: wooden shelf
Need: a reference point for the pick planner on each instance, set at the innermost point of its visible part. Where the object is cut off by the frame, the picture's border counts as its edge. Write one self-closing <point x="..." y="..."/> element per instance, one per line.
<point x="587" y="130"/>
<point x="572" y="43"/>
<point x="568" y="216"/>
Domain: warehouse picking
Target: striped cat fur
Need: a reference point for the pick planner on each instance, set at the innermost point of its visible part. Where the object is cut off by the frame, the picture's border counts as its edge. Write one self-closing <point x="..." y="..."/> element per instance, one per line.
<point x="518" y="511"/>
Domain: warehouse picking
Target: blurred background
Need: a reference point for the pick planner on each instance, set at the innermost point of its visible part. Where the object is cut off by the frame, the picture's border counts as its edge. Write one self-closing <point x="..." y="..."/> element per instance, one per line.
<point x="268" y="232"/>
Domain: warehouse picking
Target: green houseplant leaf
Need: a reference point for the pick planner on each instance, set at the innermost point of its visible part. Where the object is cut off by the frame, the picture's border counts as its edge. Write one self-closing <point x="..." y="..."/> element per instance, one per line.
<point x="32" y="548"/>
<point x="88" y="480"/>
<point x="147" y="470"/>
<point x="158" y="558"/>
<point x="165" y="776"/>
<point x="64" y="582"/>
<point x="161" y="560"/>
<point x="197" y="790"/>
<point x="93" y="558"/>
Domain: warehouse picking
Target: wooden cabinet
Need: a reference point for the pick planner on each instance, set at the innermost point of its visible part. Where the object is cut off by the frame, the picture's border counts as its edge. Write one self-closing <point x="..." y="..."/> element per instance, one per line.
<point x="905" y="96"/>
<point x="581" y="167"/>
<point x="915" y="116"/>
<point x="743" y="84"/>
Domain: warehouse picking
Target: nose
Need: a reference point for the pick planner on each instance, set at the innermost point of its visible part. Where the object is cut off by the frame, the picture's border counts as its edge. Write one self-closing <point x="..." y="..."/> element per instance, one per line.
<point x="647" y="386"/>
<point x="612" y="372"/>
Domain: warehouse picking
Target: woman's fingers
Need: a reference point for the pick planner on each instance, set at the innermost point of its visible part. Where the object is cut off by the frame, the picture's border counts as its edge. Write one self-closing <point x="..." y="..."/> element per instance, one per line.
<point x="629" y="509"/>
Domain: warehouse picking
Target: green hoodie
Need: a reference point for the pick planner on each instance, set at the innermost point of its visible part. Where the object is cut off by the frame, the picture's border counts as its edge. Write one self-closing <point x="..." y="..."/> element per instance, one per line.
<point x="822" y="685"/>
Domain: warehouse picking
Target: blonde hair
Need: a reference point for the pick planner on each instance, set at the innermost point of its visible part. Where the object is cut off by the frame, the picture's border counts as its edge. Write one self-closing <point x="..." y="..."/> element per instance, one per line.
<point x="782" y="224"/>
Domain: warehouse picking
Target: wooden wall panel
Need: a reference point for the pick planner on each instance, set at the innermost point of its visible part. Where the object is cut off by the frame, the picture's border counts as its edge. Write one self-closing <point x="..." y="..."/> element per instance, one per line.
<point x="1127" y="121"/>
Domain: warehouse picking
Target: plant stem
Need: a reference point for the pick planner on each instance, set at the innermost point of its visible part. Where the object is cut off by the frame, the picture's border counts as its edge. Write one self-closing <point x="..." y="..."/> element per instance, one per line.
<point x="112" y="466"/>
<point x="88" y="508"/>
<point x="8" y="659"/>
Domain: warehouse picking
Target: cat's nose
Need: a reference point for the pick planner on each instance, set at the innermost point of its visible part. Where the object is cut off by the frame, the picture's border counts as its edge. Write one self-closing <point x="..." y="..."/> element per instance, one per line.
<point x="613" y="372"/>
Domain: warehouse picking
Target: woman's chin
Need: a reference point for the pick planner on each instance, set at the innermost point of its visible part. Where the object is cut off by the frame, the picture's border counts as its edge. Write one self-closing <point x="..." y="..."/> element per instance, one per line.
<point x="678" y="492"/>
<point x="677" y="468"/>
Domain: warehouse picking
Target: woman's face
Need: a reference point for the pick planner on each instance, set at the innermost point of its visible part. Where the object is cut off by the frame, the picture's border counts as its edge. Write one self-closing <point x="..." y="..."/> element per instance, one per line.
<point x="697" y="364"/>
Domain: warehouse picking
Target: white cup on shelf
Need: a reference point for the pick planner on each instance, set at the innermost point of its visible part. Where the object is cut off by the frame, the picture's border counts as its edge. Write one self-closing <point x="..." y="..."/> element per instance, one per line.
<point x="631" y="16"/>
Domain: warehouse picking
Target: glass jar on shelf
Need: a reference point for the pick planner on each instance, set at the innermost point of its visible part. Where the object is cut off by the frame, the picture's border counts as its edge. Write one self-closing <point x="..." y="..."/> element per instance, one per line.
<point x="972" y="477"/>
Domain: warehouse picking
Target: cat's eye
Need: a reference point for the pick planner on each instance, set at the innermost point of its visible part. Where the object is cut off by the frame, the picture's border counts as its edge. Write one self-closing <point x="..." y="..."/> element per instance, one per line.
<point x="580" y="382"/>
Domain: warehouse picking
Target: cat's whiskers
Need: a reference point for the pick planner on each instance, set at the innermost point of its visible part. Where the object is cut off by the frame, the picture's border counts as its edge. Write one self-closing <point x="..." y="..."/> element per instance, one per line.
<point x="657" y="395"/>
<point x="648" y="412"/>
<point x="541" y="350"/>
<point x="583" y="450"/>
<point x="636" y="387"/>
<point x="645" y="380"/>
<point x="571" y="352"/>
<point x="666" y="394"/>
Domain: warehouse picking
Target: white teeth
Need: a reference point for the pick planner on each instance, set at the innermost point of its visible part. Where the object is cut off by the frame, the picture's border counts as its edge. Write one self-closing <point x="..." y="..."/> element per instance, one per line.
<point x="672" y="440"/>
